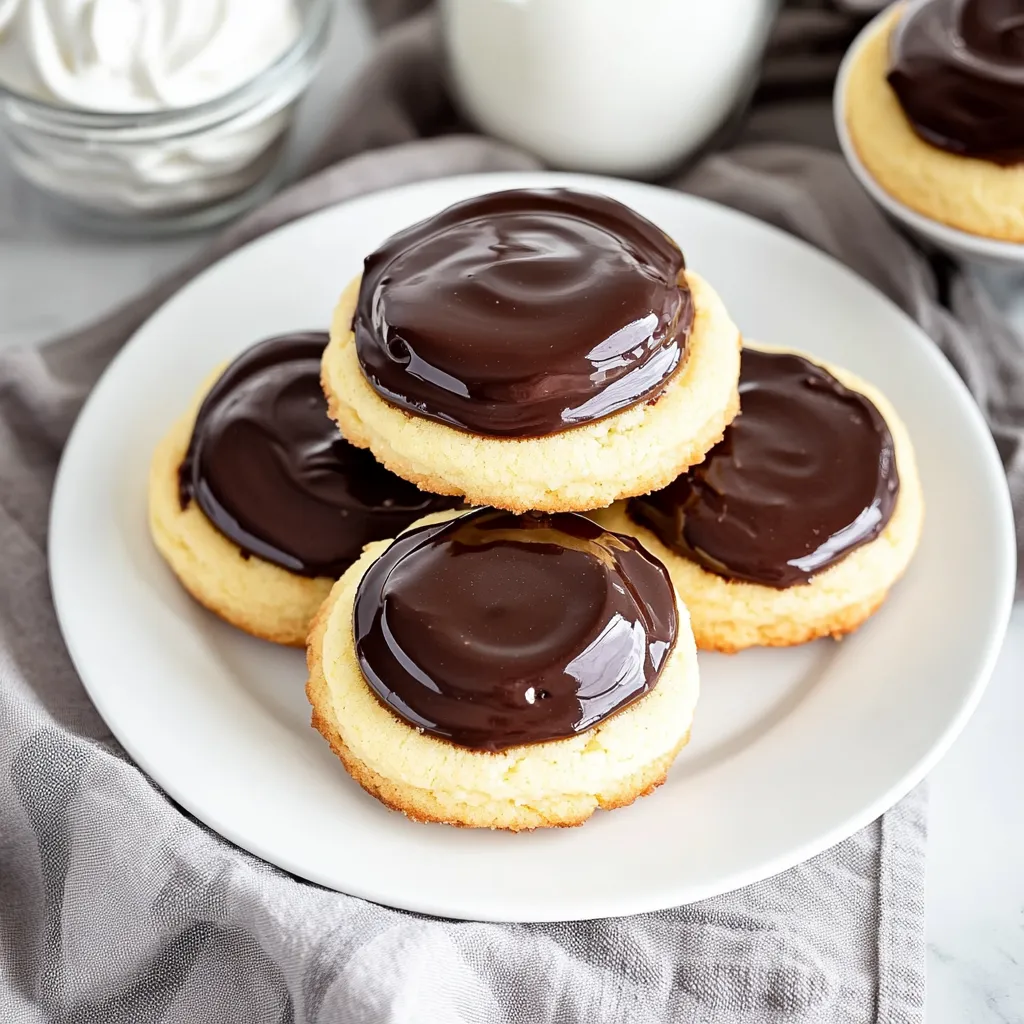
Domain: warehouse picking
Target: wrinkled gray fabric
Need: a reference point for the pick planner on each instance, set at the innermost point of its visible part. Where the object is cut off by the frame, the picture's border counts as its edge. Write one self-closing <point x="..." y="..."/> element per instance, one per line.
<point x="117" y="907"/>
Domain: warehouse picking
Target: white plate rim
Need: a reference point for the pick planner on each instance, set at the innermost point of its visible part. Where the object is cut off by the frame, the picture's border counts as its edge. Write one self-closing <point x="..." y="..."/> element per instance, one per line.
<point x="606" y="906"/>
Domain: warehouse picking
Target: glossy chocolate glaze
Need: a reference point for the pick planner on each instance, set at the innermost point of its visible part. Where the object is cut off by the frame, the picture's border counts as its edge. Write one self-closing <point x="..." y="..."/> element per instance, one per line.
<point x="804" y="475"/>
<point x="272" y="473"/>
<point x="523" y="313"/>
<point x="957" y="67"/>
<point x="494" y="629"/>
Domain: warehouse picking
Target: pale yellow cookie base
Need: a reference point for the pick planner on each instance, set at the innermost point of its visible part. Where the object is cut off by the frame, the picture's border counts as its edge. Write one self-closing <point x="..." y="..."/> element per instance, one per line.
<point x="976" y="196"/>
<point x="729" y="615"/>
<point x="255" y="595"/>
<point x="631" y="452"/>
<point x="546" y="784"/>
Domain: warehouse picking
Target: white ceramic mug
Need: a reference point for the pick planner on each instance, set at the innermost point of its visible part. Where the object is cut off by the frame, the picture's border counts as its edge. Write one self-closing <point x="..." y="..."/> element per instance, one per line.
<point x="626" y="87"/>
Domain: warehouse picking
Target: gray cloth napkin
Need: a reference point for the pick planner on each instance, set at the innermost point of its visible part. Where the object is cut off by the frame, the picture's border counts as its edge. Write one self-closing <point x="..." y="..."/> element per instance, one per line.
<point x="115" y="906"/>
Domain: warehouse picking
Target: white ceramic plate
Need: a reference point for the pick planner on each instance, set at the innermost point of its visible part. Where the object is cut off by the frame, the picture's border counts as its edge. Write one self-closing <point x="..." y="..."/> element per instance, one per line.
<point x="792" y="750"/>
<point x="953" y="241"/>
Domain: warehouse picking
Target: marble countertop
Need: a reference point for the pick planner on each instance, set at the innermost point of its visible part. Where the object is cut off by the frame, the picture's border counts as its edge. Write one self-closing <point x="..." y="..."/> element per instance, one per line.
<point x="54" y="277"/>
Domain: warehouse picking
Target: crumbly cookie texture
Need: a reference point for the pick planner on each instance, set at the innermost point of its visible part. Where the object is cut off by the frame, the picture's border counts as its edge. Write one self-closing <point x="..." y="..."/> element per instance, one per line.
<point x="558" y="783"/>
<point x="255" y="595"/>
<point x="631" y="452"/>
<point x="729" y="615"/>
<point x="976" y="196"/>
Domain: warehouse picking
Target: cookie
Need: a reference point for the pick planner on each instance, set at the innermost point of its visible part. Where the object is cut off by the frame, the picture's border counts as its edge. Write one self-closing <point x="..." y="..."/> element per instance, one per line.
<point x="258" y="504"/>
<point x="938" y="121"/>
<point x="532" y="350"/>
<point x="799" y="523"/>
<point x="518" y="685"/>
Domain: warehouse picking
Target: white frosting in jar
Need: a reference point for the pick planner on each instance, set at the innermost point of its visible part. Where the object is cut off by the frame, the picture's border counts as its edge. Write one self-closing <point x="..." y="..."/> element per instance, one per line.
<point x="141" y="57"/>
<point x="127" y="56"/>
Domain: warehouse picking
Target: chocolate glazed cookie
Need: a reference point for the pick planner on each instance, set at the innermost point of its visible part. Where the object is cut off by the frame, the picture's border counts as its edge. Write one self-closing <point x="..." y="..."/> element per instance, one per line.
<point x="804" y="475"/>
<point x="271" y="472"/>
<point x="957" y="67"/>
<point x="256" y="501"/>
<point x="535" y="350"/>
<point x="523" y="313"/>
<point x="799" y="522"/>
<point x="495" y="630"/>
<point x="933" y="100"/>
<point x="501" y="671"/>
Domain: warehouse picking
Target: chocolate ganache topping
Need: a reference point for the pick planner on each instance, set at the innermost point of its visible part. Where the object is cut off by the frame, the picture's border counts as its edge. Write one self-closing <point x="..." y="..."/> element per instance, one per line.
<point x="523" y="313"/>
<point x="494" y="630"/>
<point x="957" y="67"/>
<point x="805" y="474"/>
<point x="271" y="472"/>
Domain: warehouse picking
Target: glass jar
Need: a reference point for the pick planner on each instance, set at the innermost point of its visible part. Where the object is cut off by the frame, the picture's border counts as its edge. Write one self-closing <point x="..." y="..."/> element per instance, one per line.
<point x="175" y="169"/>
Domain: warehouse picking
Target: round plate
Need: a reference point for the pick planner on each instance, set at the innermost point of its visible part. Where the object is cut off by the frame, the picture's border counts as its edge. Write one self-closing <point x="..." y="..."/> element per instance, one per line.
<point x="792" y="750"/>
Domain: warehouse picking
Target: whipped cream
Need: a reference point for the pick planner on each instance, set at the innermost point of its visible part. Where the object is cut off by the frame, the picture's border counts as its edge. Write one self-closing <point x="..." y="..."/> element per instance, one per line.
<point x="128" y="56"/>
<point x="140" y="57"/>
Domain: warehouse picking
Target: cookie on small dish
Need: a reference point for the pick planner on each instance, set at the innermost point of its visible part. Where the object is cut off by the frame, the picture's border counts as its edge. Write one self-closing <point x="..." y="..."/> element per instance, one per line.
<point x="934" y="107"/>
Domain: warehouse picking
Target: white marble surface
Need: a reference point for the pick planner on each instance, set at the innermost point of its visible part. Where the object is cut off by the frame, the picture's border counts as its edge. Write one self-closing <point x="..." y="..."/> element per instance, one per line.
<point x="53" y="277"/>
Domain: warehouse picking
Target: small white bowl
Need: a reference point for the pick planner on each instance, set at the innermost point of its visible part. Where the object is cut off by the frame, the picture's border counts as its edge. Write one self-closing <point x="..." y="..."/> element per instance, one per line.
<point x="953" y="241"/>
